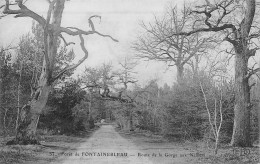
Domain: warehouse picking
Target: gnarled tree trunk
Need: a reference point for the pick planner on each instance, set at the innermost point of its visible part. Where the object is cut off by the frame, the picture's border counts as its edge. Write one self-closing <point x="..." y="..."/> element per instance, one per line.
<point x="30" y="113"/>
<point x="29" y="116"/>
<point x="1" y="94"/>
<point x="241" y="129"/>
<point x="258" y="111"/>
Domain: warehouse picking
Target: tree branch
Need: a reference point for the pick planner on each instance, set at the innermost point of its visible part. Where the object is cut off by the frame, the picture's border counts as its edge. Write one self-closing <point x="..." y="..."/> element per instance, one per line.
<point x="252" y="72"/>
<point x="207" y="11"/>
<point x="71" y="67"/>
<point x="213" y="29"/>
<point x="23" y="12"/>
<point x="252" y="52"/>
<point x="233" y="42"/>
<point x="82" y="32"/>
<point x="91" y="24"/>
<point x="116" y="98"/>
<point x="65" y="42"/>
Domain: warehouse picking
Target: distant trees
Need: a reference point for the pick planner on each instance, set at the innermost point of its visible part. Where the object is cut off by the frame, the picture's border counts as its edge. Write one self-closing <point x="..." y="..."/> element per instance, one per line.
<point x="5" y="77"/>
<point x="177" y="112"/>
<point x="8" y="95"/>
<point x="113" y="88"/>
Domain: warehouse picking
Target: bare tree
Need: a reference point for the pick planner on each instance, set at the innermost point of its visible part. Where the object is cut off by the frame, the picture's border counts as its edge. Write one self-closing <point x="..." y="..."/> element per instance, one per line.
<point x="126" y="78"/>
<point x="239" y="32"/>
<point x="52" y="32"/>
<point x="176" y="50"/>
<point x="126" y="73"/>
<point x="215" y="126"/>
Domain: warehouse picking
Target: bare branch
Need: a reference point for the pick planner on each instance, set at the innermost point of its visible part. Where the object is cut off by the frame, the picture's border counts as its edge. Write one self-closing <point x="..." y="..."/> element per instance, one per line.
<point x="233" y="42"/>
<point x="254" y="71"/>
<point x="65" y="42"/>
<point x="79" y="32"/>
<point x="213" y="29"/>
<point x="71" y="67"/>
<point x="254" y="35"/>
<point x="53" y="30"/>
<point x="252" y="52"/>
<point x="91" y="24"/>
<point x="213" y="25"/>
<point x="23" y="12"/>
<point x="250" y="86"/>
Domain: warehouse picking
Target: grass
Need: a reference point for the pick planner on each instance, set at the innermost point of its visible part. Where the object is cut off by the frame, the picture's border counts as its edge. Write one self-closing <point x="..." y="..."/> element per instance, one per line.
<point x="205" y="153"/>
<point x="40" y="154"/>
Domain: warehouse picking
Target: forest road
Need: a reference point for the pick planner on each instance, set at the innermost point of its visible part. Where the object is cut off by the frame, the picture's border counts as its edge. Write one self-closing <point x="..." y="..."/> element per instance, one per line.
<point x="105" y="146"/>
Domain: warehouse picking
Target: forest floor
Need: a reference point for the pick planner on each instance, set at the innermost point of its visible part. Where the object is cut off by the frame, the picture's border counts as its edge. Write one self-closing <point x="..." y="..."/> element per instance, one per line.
<point x="107" y="145"/>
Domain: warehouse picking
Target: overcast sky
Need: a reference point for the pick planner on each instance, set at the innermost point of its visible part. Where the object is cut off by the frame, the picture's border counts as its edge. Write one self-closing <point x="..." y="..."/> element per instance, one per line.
<point x="120" y="19"/>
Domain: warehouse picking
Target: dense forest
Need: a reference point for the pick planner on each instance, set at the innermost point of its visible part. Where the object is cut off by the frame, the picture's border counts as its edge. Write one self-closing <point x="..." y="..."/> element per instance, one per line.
<point x="212" y="46"/>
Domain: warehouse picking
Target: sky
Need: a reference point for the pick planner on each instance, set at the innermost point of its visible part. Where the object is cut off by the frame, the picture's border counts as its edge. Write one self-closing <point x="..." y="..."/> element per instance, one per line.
<point x="119" y="18"/>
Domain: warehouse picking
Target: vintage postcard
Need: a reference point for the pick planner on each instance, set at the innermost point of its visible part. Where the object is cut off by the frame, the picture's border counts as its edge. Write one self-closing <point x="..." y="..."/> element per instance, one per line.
<point x="129" y="81"/>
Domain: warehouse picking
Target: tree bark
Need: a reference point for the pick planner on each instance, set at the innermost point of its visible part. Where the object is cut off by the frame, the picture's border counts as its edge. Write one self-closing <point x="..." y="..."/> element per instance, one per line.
<point x="180" y="71"/>
<point x="241" y="129"/>
<point x="258" y="111"/>
<point x="258" y="107"/>
<point x="30" y="113"/>
<point x="1" y="95"/>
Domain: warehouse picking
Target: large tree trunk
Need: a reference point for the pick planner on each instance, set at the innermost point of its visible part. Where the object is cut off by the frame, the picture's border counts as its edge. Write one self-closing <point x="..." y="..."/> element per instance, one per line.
<point x="241" y="129"/>
<point x="258" y="108"/>
<point x="180" y="71"/>
<point x="30" y="113"/>
<point x="1" y="95"/>
<point x="258" y="111"/>
<point x="29" y="116"/>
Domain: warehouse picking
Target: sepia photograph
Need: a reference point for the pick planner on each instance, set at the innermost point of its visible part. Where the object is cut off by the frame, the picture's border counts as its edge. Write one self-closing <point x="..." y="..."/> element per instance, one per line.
<point x="129" y="81"/>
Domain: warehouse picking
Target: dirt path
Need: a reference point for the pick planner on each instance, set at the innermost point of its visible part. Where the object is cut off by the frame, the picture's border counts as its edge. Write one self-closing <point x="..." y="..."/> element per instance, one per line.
<point x="105" y="146"/>
<point x="110" y="147"/>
